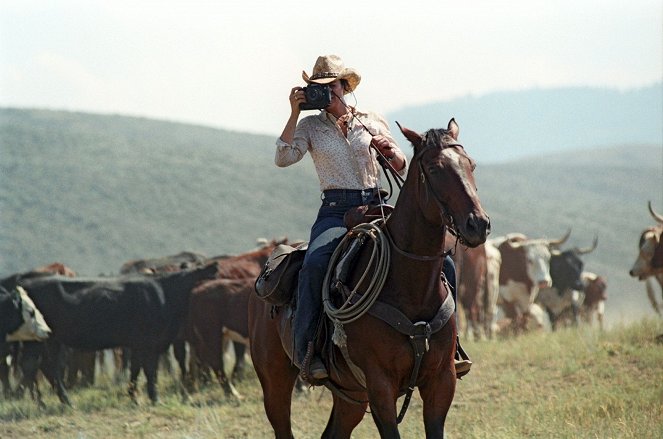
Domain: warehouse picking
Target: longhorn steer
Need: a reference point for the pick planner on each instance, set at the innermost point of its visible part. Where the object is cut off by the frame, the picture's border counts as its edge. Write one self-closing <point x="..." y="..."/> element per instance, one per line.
<point x="649" y="264"/>
<point x="566" y="292"/>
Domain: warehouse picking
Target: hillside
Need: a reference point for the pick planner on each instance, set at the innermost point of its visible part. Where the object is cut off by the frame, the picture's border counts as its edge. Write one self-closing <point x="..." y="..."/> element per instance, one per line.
<point x="508" y="125"/>
<point x="95" y="191"/>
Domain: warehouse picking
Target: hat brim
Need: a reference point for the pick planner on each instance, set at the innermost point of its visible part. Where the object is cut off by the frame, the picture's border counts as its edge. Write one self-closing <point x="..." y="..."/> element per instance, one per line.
<point x="350" y="75"/>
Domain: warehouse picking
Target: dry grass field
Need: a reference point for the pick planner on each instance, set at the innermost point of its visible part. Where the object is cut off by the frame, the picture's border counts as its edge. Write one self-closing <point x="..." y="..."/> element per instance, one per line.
<point x="575" y="383"/>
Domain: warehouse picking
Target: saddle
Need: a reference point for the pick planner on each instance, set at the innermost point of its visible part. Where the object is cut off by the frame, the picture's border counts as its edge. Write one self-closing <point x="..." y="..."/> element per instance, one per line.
<point x="366" y="214"/>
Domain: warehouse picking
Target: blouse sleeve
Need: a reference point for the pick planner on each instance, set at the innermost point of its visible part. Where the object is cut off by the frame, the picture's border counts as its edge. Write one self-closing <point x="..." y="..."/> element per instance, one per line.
<point x="289" y="153"/>
<point x="383" y="128"/>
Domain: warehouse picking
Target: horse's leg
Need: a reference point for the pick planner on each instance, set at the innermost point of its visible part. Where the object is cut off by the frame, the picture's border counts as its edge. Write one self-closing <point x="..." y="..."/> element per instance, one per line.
<point x="382" y="396"/>
<point x="437" y="397"/>
<point x="345" y="416"/>
<point x="276" y="373"/>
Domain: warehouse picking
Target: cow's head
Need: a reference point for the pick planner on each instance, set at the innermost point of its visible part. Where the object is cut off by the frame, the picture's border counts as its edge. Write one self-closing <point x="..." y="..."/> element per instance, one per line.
<point x="10" y="312"/>
<point x="32" y="327"/>
<point x="534" y="255"/>
<point x="566" y="267"/>
<point x="650" y="256"/>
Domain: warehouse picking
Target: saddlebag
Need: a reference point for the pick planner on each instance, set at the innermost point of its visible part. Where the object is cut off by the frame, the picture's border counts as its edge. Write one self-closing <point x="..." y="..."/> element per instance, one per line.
<point x="277" y="279"/>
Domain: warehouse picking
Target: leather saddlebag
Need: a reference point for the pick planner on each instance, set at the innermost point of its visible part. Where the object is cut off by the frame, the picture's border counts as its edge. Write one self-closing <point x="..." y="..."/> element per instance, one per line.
<point x="277" y="279"/>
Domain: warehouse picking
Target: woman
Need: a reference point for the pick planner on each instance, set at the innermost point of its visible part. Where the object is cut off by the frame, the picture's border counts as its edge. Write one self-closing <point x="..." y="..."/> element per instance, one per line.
<point x="339" y="140"/>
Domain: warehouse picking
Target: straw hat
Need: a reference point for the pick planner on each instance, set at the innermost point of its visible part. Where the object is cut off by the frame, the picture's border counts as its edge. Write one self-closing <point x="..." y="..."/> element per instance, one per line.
<point x="327" y="68"/>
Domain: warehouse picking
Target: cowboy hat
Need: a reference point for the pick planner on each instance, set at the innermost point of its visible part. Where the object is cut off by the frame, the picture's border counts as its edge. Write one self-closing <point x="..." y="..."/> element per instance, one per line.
<point x="327" y="68"/>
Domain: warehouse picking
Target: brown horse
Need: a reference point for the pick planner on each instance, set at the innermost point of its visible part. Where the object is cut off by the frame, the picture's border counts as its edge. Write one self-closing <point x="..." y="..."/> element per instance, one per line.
<point x="439" y="193"/>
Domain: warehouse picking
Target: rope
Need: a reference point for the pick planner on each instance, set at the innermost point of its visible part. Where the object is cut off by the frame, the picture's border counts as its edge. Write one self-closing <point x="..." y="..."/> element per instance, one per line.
<point x="378" y="264"/>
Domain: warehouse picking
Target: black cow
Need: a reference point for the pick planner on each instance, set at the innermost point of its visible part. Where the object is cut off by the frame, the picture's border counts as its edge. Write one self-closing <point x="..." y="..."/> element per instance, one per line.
<point x="566" y="273"/>
<point x="141" y="313"/>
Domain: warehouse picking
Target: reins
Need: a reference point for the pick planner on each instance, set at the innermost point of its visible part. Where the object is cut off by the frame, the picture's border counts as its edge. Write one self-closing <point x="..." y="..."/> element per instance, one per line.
<point x="382" y="160"/>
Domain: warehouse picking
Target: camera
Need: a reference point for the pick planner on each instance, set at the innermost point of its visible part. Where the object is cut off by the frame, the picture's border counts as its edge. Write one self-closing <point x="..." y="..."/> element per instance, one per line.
<point x="318" y="96"/>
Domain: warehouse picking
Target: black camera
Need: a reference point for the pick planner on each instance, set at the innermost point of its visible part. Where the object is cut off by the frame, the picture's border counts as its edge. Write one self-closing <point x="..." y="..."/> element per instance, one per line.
<point x="318" y="96"/>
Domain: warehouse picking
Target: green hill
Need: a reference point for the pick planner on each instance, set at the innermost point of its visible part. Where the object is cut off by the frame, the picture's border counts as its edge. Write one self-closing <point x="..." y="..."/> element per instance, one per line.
<point x="93" y="191"/>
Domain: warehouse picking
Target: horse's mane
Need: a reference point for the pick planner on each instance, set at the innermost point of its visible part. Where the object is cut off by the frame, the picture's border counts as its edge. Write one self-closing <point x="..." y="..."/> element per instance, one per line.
<point x="441" y="136"/>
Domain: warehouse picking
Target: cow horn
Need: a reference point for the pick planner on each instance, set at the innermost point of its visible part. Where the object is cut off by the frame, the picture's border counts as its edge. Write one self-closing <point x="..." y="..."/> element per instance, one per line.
<point x="657" y="216"/>
<point x="584" y="251"/>
<point x="562" y="240"/>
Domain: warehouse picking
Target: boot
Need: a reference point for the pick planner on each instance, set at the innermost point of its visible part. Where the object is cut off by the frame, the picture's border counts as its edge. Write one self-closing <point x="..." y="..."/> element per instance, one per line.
<point x="461" y="360"/>
<point x="312" y="370"/>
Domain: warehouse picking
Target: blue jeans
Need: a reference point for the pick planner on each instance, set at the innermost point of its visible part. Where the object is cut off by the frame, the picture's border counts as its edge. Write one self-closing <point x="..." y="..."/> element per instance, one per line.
<point x="327" y="232"/>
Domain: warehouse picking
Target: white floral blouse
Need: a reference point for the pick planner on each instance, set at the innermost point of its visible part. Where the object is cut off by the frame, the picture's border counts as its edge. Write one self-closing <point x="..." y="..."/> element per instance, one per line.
<point x="341" y="162"/>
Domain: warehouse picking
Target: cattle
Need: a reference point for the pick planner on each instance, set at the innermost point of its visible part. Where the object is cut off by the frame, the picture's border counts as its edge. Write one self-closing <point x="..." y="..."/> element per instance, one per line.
<point x="6" y="350"/>
<point x="470" y="280"/>
<point x="524" y="270"/>
<point x="648" y="266"/>
<point x="172" y="263"/>
<point x="138" y="312"/>
<point x="566" y="291"/>
<point x="20" y="320"/>
<point x="219" y="309"/>
<point x="492" y="286"/>
<point x="595" y="289"/>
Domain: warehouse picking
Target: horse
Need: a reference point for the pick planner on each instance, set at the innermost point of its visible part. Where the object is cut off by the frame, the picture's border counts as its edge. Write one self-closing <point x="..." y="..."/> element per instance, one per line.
<point x="439" y="193"/>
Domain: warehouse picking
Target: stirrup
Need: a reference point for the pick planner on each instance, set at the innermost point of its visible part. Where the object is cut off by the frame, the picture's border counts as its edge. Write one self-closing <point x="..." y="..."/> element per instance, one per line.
<point x="461" y="361"/>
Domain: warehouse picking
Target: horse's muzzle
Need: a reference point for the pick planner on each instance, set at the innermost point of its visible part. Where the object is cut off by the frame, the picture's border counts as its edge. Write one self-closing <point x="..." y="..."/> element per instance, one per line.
<point x="477" y="229"/>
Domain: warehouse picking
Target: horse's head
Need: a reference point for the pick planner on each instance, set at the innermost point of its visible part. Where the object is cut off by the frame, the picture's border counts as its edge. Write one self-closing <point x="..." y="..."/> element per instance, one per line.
<point x="446" y="190"/>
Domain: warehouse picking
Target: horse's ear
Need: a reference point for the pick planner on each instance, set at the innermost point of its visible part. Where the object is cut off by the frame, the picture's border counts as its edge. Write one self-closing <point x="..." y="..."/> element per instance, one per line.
<point x="414" y="138"/>
<point x="453" y="129"/>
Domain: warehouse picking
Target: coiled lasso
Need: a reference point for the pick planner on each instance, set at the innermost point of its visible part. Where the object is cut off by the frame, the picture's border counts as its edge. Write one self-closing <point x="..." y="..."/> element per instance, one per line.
<point x="378" y="264"/>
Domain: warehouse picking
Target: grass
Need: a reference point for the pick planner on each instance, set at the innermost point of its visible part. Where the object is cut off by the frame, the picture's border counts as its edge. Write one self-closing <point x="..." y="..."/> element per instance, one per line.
<point x="575" y="383"/>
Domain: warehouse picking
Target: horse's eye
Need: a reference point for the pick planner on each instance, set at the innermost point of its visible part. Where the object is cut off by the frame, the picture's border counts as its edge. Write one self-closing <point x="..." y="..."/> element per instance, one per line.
<point x="31" y="313"/>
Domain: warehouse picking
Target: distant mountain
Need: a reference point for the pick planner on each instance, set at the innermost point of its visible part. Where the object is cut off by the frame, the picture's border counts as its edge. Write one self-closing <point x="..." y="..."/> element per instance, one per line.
<point x="504" y="126"/>
<point x="95" y="191"/>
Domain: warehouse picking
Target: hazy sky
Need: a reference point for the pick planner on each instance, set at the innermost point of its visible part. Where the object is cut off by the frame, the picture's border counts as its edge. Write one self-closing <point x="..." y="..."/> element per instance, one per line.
<point x="231" y="64"/>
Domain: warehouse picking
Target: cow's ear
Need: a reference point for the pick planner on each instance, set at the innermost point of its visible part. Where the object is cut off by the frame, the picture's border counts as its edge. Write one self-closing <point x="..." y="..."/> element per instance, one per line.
<point x="453" y="128"/>
<point x="414" y="138"/>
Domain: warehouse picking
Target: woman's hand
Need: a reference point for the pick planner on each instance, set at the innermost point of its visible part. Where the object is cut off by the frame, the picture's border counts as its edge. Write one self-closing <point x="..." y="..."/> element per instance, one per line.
<point x="383" y="145"/>
<point x="296" y="98"/>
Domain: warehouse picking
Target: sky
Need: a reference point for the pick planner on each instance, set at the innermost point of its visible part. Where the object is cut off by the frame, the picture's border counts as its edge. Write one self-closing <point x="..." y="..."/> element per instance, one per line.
<point x="231" y="64"/>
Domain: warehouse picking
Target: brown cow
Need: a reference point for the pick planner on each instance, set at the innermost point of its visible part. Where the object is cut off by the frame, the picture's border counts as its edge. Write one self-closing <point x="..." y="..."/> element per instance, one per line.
<point x="649" y="264"/>
<point x="524" y="270"/>
<point x="595" y="289"/>
<point x="471" y="283"/>
<point x="219" y="308"/>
